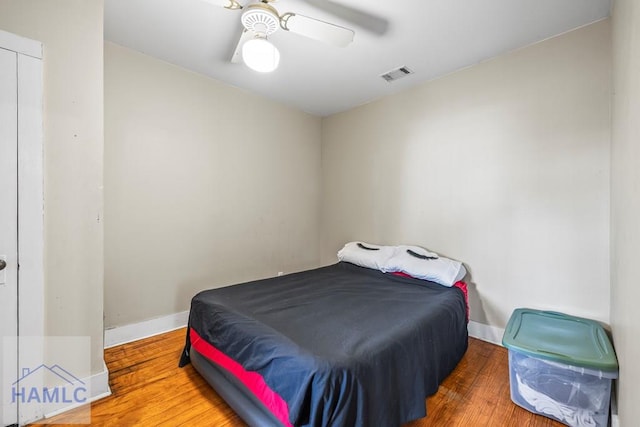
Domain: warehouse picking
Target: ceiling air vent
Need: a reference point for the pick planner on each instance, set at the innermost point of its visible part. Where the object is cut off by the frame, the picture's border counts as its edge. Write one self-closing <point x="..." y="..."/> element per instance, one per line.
<point x="396" y="74"/>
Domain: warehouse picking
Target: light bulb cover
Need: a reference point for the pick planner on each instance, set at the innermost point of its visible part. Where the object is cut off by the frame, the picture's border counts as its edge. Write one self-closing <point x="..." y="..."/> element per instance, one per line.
<point x="260" y="55"/>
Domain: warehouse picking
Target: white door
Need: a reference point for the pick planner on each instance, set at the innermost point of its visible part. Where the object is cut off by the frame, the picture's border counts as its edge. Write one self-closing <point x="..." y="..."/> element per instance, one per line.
<point x="8" y="231"/>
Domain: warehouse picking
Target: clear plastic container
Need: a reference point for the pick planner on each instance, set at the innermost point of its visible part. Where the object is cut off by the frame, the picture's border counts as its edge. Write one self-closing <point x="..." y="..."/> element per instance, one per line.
<point x="560" y="366"/>
<point x="577" y="397"/>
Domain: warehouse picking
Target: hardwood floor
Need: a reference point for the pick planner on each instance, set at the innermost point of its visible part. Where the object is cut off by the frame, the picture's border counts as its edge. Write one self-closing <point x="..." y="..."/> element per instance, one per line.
<point x="150" y="390"/>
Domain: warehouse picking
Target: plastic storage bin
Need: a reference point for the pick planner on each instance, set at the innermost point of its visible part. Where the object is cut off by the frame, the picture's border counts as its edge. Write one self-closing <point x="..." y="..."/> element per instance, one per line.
<point x="560" y="366"/>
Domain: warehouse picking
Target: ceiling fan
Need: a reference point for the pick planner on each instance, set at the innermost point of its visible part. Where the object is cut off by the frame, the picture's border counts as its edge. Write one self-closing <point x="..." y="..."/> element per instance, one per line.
<point x="260" y="19"/>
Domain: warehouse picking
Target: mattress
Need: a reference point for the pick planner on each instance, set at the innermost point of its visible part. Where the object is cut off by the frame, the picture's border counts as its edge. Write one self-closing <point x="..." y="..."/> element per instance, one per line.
<point x="336" y="346"/>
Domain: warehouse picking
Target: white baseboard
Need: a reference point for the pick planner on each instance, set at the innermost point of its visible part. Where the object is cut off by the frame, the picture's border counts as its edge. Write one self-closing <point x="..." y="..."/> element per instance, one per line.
<point x="484" y="332"/>
<point x="615" y="419"/>
<point x="99" y="390"/>
<point x="148" y="328"/>
<point x="100" y="384"/>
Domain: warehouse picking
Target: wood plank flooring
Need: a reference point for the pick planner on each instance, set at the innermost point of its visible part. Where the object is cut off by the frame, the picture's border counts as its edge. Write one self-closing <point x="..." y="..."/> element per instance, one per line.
<point x="150" y="390"/>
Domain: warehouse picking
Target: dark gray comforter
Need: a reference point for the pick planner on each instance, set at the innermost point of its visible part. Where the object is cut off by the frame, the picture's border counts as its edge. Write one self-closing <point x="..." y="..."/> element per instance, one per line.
<point x="342" y="345"/>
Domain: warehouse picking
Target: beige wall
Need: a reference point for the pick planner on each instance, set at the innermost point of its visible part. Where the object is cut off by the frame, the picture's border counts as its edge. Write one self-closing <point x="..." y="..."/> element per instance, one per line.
<point x="71" y="32"/>
<point x="504" y="166"/>
<point x="625" y="205"/>
<point x="205" y="185"/>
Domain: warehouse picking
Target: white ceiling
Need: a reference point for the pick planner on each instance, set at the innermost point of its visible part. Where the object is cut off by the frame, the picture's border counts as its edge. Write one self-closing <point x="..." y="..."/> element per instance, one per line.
<point x="432" y="37"/>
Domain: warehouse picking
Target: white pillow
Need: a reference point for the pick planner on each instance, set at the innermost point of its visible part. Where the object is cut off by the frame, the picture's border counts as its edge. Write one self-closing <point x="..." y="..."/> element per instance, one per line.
<point x="366" y="254"/>
<point x="422" y="264"/>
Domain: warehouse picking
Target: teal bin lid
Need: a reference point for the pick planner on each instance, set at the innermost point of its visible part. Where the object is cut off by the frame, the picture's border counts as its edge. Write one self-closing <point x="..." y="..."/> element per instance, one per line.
<point x="560" y="338"/>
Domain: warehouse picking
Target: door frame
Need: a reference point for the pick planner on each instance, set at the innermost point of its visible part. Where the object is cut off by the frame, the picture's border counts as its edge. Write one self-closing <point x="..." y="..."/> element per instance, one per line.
<point x="30" y="199"/>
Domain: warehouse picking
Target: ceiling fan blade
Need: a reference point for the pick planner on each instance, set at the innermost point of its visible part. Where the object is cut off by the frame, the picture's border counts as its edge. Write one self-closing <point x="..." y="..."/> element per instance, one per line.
<point x="362" y="19"/>
<point x="316" y="29"/>
<point x="227" y="4"/>
<point x="246" y="35"/>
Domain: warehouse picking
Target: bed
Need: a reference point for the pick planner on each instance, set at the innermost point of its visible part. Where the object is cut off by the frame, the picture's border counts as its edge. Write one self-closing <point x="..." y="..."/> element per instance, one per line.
<point x="341" y="345"/>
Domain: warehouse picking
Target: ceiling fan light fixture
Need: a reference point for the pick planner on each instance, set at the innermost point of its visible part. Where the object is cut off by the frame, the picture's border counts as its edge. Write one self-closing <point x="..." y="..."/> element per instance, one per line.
<point x="260" y="18"/>
<point x="260" y="55"/>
